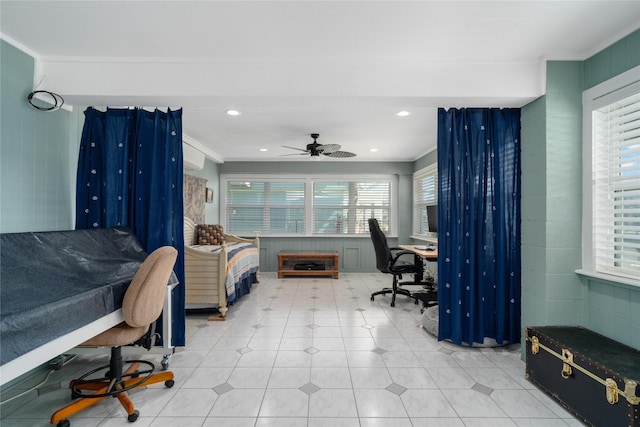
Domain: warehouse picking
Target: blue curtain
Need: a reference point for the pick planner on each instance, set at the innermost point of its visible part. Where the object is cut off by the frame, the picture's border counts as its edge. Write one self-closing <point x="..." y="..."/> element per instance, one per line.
<point x="130" y="174"/>
<point x="479" y="225"/>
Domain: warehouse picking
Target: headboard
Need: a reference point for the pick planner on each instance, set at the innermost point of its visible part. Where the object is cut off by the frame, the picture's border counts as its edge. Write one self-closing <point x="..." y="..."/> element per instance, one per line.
<point x="190" y="237"/>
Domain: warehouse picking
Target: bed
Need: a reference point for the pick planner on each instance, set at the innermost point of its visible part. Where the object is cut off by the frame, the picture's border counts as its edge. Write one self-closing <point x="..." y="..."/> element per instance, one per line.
<point x="60" y="288"/>
<point x="216" y="275"/>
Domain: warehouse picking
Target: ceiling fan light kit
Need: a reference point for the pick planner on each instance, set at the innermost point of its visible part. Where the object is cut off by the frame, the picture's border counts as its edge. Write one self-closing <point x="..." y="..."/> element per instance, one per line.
<point x="315" y="150"/>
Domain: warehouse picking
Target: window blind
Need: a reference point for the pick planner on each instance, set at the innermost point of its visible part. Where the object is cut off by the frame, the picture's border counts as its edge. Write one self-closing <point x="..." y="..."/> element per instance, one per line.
<point x="425" y="193"/>
<point x="266" y="206"/>
<point x="616" y="180"/>
<point x="307" y="206"/>
<point x="344" y="207"/>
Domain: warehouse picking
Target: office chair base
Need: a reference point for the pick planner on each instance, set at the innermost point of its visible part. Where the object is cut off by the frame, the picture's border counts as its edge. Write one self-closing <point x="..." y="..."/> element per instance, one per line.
<point x="86" y="387"/>
<point x="104" y="390"/>
<point x="393" y="293"/>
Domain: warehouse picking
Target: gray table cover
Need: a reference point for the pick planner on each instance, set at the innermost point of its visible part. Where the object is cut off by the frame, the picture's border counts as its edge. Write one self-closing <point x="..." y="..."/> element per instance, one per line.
<point x="52" y="283"/>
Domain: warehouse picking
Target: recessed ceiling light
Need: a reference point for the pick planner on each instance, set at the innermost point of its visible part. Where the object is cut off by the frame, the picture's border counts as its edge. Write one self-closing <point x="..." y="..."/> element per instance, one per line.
<point x="403" y="113"/>
<point x="233" y="112"/>
<point x="264" y="149"/>
<point x="373" y="150"/>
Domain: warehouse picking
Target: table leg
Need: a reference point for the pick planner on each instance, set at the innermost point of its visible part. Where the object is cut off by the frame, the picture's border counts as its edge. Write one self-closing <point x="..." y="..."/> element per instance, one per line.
<point x="419" y="262"/>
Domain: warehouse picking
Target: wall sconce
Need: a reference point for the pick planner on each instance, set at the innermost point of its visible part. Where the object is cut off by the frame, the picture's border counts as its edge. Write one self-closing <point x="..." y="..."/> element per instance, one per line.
<point x="209" y="195"/>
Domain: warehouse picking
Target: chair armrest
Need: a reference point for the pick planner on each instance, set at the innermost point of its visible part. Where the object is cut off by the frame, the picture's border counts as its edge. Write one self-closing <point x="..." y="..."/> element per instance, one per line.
<point x="400" y="252"/>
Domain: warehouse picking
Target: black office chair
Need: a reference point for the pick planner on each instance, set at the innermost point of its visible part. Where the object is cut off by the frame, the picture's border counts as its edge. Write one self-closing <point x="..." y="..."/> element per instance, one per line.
<point x="388" y="261"/>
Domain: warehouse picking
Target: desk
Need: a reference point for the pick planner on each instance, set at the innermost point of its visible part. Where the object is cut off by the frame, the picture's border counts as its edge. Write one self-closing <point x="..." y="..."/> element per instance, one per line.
<point x="428" y="296"/>
<point x="428" y="255"/>
<point x="419" y="255"/>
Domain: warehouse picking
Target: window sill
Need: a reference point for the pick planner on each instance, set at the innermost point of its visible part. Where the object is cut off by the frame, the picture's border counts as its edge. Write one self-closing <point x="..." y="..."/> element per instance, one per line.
<point x="433" y="239"/>
<point x="616" y="280"/>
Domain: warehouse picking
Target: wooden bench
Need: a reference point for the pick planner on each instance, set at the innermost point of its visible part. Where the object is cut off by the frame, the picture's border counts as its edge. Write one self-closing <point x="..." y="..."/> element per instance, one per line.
<point x="290" y="263"/>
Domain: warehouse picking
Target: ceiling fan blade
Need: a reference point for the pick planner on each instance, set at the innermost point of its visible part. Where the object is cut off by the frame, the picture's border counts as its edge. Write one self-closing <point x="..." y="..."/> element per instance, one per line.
<point x="341" y="154"/>
<point x="295" y="148"/>
<point x="314" y="149"/>
<point x="328" y="148"/>
<point x="295" y="154"/>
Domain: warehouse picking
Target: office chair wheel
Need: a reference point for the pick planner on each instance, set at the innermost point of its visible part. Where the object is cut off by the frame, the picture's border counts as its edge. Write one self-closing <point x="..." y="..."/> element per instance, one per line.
<point x="166" y="359"/>
<point x="393" y="304"/>
<point x="169" y="383"/>
<point x="133" y="417"/>
<point x="63" y="423"/>
<point x="372" y="298"/>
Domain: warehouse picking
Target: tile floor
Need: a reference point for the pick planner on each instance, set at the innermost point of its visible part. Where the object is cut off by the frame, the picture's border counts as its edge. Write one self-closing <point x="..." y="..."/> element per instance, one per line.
<point x="316" y="352"/>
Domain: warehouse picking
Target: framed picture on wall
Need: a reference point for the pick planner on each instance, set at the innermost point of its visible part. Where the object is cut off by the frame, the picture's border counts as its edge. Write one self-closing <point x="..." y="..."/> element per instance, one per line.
<point x="209" y="197"/>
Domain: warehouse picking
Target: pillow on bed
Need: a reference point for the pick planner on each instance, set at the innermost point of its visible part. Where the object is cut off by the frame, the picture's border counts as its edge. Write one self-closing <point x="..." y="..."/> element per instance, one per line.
<point x="210" y="234"/>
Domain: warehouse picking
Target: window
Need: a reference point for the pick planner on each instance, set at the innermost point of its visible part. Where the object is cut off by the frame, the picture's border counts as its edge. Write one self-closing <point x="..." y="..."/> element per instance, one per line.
<point x="343" y="207"/>
<point x="266" y="206"/>
<point x="425" y="193"/>
<point x="612" y="200"/>
<point x="306" y="206"/>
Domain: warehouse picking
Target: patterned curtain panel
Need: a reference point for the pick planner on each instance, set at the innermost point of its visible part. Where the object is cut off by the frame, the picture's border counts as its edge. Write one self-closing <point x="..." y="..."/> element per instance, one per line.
<point x="479" y="225"/>
<point x="130" y="174"/>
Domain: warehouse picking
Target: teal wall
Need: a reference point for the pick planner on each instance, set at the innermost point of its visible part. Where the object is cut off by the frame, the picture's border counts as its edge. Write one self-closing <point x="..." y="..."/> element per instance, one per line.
<point x="552" y="293"/>
<point x="37" y="158"/>
<point x="609" y="308"/>
<point x="356" y="253"/>
<point x="616" y="59"/>
<point x="211" y="174"/>
<point x="551" y="200"/>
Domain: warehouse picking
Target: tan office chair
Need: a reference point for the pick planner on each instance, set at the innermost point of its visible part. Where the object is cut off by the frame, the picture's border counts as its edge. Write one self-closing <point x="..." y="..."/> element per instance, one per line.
<point x="141" y="307"/>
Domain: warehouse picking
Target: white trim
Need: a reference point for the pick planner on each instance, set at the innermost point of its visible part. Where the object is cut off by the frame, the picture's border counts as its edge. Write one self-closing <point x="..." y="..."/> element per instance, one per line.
<point x="605" y="93"/>
<point x="429" y="150"/>
<point x="19" y="46"/>
<point x="431" y="169"/>
<point x="425" y="239"/>
<point x="610" y="40"/>
<point x="608" y="278"/>
<point x="209" y="153"/>
<point x="618" y="87"/>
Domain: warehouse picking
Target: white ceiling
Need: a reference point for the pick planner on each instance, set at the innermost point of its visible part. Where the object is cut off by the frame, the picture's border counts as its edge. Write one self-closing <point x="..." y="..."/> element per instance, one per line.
<point x="338" y="68"/>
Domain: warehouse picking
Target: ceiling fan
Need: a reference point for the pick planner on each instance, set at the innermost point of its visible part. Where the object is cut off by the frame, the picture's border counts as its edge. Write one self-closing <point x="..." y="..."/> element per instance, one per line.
<point x="315" y="150"/>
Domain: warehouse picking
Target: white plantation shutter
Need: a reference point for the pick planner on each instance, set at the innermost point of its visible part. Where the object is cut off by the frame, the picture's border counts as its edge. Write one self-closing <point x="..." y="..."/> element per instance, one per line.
<point x="306" y="206"/>
<point x="616" y="192"/>
<point x="265" y="206"/>
<point x="425" y="193"/>
<point x="344" y="207"/>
